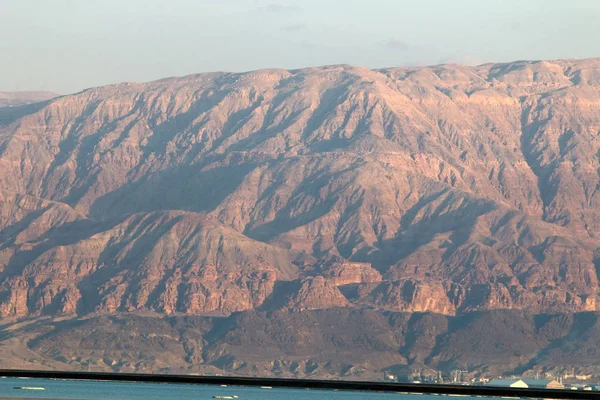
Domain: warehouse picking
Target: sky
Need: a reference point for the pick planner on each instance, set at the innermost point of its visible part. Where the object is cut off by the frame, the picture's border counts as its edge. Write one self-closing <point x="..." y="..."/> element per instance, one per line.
<point x="66" y="46"/>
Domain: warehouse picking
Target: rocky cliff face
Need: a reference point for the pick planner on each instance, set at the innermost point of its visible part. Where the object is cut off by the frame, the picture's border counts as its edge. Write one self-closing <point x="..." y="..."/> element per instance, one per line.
<point x="442" y="189"/>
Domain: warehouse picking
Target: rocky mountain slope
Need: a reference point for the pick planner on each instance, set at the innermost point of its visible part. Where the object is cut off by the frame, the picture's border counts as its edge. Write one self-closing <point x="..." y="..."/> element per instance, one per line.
<point x="332" y="343"/>
<point x="337" y="220"/>
<point x="12" y="99"/>
<point x="445" y="189"/>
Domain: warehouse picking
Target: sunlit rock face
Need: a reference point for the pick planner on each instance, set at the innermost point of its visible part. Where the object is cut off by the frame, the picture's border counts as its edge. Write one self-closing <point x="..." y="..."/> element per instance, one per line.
<point x="442" y="189"/>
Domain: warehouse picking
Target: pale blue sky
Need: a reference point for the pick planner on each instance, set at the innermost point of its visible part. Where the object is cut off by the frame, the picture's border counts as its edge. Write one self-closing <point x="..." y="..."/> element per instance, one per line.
<point x="69" y="45"/>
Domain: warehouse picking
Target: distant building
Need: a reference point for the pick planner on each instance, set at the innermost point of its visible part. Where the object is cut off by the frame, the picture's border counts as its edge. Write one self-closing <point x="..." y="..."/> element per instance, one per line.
<point x="543" y="384"/>
<point x="515" y="383"/>
<point x="389" y="377"/>
<point x="583" y="377"/>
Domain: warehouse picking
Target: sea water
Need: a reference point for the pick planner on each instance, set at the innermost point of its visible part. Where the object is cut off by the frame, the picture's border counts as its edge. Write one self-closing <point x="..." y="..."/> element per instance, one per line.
<point x="94" y="390"/>
<point x="84" y="390"/>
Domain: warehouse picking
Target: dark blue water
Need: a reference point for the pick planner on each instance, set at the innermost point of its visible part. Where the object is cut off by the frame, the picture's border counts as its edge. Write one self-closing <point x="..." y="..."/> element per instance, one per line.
<point x="92" y="390"/>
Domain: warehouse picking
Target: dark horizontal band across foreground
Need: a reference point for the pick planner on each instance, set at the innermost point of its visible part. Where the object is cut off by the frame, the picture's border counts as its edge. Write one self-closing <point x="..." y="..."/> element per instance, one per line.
<point x="411" y="388"/>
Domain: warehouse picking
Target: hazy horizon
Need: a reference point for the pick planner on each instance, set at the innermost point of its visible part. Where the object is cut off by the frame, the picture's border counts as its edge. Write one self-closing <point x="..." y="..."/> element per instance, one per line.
<point x="65" y="46"/>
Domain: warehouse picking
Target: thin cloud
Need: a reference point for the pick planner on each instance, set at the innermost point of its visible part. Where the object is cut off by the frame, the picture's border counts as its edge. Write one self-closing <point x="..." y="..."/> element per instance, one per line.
<point x="514" y="26"/>
<point x="307" y="44"/>
<point x="278" y="8"/>
<point x="293" y="27"/>
<point x="396" y="44"/>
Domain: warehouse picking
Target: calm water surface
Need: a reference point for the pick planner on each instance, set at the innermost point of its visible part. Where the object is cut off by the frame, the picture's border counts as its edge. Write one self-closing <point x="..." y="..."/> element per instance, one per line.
<point x="84" y="390"/>
<point x="92" y="390"/>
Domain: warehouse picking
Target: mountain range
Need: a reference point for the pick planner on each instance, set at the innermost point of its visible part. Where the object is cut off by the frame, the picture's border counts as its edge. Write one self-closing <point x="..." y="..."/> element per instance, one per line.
<point x="11" y="99"/>
<point x="290" y="197"/>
